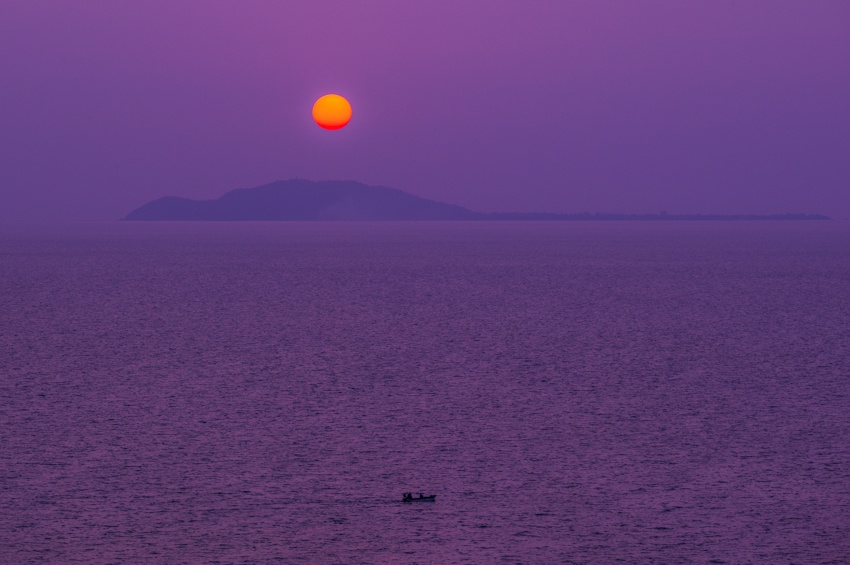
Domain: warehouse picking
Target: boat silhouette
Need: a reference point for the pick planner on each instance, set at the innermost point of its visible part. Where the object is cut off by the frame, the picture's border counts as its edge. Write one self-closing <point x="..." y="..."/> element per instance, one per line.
<point x="408" y="497"/>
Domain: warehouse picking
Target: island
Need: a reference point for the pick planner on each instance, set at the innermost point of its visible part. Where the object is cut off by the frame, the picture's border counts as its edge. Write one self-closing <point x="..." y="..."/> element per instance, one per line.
<point x="305" y="200"/>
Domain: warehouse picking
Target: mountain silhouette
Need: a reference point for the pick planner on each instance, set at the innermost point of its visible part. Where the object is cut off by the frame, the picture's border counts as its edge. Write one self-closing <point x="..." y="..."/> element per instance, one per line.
<point x="304" y="200"/>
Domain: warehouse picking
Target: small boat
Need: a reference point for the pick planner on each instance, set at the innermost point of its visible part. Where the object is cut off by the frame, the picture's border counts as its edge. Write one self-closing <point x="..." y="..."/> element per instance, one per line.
<point x="408" y="497"/>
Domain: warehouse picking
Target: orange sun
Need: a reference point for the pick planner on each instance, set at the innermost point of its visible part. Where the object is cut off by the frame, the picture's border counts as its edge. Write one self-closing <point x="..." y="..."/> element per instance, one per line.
<point x="332" y="111"/>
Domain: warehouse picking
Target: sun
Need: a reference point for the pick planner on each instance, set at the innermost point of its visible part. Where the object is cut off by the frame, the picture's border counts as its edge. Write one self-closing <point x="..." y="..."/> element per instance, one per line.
<point x="332" y="111"/>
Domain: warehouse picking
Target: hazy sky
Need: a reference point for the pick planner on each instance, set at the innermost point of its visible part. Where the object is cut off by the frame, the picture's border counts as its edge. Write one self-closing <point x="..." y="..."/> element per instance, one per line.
<point x="559" y="106"/>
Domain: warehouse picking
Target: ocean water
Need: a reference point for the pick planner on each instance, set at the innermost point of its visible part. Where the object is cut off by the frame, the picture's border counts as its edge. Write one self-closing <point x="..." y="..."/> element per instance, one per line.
<point x="571" y="392"/>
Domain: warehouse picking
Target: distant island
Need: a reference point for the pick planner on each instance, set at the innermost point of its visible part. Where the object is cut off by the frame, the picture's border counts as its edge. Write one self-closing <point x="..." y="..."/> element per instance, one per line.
<point x="304" y="200"/>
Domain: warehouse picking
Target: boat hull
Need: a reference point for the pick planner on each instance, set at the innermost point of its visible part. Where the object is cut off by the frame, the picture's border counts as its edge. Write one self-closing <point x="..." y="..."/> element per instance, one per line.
<point x="431" y="498"/>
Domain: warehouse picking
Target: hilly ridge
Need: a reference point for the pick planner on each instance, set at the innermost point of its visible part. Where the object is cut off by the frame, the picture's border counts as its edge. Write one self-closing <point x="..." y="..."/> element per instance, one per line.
<point x="304" y="200"/>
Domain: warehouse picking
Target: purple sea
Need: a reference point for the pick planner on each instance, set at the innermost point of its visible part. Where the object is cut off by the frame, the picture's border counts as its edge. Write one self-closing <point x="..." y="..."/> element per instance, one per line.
<point x="633" y="392"/>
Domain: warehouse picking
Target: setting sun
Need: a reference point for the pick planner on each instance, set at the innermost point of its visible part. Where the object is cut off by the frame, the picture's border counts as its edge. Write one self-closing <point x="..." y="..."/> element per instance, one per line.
<point x="332" y="111"/>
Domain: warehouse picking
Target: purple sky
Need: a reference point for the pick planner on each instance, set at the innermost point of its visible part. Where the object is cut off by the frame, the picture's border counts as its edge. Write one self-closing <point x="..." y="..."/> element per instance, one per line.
<point x="685" y="106"/>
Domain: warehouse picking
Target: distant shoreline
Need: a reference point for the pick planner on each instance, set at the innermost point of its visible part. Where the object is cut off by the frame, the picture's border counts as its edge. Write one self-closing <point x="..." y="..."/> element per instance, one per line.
<point x="600" y="216"/>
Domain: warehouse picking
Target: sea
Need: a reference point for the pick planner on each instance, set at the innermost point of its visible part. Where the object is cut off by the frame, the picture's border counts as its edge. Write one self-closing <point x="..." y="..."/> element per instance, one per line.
<point x="572" y="392"/>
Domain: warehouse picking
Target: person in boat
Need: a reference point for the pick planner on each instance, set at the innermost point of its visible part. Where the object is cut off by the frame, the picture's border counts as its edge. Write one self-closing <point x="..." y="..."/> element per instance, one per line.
<point x="421" y="495"/>
<point x="407" y="496"/>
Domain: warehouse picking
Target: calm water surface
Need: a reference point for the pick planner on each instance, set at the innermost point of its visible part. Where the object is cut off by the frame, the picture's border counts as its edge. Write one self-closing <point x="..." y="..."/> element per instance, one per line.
<point x="572" y="392"/>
